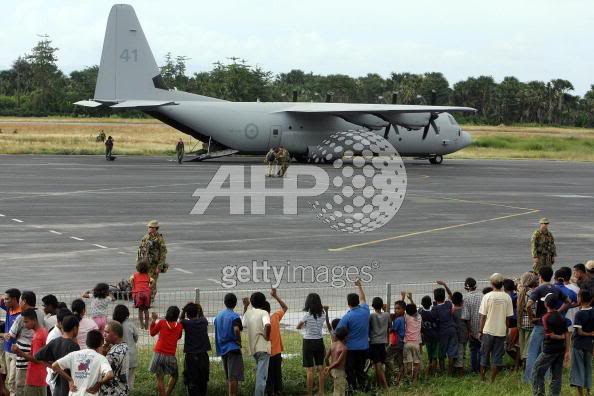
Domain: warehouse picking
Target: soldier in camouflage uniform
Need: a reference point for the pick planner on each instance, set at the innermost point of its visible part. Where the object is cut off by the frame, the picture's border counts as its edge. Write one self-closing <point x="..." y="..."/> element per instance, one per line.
<point x="283" y="160"/>
<point x="152" y="249"/>
<point x="543" y="246"/>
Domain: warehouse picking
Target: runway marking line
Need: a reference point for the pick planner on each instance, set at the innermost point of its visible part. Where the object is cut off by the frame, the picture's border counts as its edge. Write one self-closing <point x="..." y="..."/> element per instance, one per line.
<point x="100" y="246"/>
<point x="215" y="281"/>
<point x="1" y="215"/>
<point x="377" y="241"/>
<point x="18" y="221"/>
<point x="55" y="232"/>
<point x="122" y="253"/>
<point x="183" y="271"/>
<point x="77" y="238"/>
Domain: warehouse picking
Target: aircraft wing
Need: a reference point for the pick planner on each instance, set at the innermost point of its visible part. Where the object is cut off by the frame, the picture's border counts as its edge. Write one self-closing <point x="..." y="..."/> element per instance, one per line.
<point x="126" y="104"/>
<point x="375" y="116"/>
<point x="340" y="108"/>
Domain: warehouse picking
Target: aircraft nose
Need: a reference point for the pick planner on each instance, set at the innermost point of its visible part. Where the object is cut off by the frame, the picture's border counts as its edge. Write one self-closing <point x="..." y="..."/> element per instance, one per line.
<point x="466" y="139"/>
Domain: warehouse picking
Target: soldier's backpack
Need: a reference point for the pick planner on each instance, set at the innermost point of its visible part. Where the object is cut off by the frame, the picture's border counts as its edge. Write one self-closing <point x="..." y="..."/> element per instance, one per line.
<point x="122" y="291"/>
<point x="270" y="156"/>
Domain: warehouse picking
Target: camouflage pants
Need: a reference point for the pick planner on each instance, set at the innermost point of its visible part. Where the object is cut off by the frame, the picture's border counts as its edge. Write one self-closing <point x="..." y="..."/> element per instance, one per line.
<point x="283" y="169"/>
<point x="180" y="156"/>
<point x="543" y="261"/>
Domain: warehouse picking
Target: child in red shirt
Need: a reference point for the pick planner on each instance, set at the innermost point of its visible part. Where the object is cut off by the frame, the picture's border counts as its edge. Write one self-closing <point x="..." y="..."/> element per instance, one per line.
<point x="164" y="360"/>
<point x="142" y="285"/>
<point x="36" y="372"/>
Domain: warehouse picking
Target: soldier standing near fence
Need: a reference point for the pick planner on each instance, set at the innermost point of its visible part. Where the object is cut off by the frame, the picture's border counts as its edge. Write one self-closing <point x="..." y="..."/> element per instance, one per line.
<point x="153" y="249"/>
<point x="543" y="246"/>
<point x="180" y="150"/>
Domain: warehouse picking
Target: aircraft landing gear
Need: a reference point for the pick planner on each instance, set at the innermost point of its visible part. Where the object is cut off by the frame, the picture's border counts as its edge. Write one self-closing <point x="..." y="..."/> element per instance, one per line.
<point x="436" y="159"/>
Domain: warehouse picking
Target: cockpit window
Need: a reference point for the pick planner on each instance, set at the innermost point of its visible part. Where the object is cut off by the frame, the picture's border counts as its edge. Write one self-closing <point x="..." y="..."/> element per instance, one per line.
<point x="452" y="121"/>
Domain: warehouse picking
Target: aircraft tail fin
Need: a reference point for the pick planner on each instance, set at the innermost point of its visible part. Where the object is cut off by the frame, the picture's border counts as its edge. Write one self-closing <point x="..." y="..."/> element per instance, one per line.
<point x="128" y="69"/>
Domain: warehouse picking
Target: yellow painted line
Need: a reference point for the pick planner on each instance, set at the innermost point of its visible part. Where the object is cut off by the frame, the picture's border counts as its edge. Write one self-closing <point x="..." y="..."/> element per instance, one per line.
<point x="340" y="249"/>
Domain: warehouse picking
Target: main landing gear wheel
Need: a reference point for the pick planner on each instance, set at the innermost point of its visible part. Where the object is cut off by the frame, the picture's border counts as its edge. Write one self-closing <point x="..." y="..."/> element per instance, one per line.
<point x="436" y="160"/>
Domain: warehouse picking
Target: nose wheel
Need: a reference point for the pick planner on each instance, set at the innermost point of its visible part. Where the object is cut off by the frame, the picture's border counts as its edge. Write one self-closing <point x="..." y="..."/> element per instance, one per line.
<point x="436" y="159"/>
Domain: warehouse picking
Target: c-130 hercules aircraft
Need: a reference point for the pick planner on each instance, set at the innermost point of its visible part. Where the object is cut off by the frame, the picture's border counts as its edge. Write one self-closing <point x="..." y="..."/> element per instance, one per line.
<point x="129" y="78"/>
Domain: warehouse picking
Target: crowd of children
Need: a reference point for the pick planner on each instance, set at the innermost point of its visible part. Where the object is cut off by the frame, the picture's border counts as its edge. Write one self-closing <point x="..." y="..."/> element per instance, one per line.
<point x="542" y="321"/>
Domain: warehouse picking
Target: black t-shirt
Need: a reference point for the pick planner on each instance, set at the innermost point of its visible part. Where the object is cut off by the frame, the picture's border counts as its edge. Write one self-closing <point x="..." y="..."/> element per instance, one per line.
<point x="196" y="338"/>
<point x="539" y="293"/>
<point x="584" y="319"/>
<point x="428" y="325"/>
<point x="554" y="323"/>
<point x="57" y="349"/>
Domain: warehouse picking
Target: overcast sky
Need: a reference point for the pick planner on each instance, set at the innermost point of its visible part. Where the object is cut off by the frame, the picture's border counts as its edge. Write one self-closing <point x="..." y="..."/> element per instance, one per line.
<point x="529" y="39"/>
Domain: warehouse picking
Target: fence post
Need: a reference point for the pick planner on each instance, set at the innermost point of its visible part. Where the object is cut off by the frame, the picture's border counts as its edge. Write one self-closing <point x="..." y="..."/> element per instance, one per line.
<point x="389" y="295"/>
<point x="197" y="296"/>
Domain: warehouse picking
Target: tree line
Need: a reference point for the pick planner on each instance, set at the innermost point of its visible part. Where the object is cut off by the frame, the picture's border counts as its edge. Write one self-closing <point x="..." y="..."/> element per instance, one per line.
<point x="35" y="86"/>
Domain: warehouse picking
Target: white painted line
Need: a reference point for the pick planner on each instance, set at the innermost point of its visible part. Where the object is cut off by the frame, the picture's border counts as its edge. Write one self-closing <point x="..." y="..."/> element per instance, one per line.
<point x="38" y="226"/>
<point x="183" y="271"/>
<point x="55" y="232"/>
<point x="1" y="215"/>
<point x="18" y="221"/>
<point x="77" y="239"/>
<point x="215" y="281"/>
<point x="122" y="253"/>
<point x="100" y="246"/>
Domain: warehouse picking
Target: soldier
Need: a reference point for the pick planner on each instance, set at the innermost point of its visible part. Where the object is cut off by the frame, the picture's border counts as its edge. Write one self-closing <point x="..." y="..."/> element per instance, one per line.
<point x="101" y="136"/>
<point x="270" y="161"/>
<point x="153" y="250"/>
<point x="543" y="246"/>
<point x="283" y="159"/>
<point x="108" y="147"/>
<point x="180" y="149"/>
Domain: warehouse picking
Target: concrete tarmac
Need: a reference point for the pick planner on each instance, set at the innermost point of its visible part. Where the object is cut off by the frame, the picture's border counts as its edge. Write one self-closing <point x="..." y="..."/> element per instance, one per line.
<point x="68" y="222"/>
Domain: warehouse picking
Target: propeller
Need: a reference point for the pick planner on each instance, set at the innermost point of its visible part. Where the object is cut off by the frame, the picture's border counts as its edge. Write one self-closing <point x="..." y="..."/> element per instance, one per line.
<point x="387" y="130"/>
<point x="431" y="123"/>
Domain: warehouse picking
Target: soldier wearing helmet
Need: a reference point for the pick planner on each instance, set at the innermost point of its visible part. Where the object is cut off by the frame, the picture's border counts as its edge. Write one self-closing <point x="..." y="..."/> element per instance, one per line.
<point x="543" y="246"/>
<point x="153" y="250"/>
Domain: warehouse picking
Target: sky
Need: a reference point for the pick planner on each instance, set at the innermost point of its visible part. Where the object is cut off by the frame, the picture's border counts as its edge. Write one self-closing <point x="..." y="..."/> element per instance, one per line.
<point x="528" y="39"/>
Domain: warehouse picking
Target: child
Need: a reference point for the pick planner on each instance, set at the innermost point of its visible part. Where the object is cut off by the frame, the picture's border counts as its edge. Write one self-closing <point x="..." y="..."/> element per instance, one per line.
<point x="196" y="347"/>
<point x="446" y="329"/>
<point x="35" y="380"/>
<point x="395" y="355"/>
<point x="99" y="304"/>
<point x="429" y="333"/>
<point x="121" y="314"/>
<point x="228" y="328"/>
<point x="142" y="284"/>
<point x="85" y="325"/>
<point x="338" y="352"/>
<point x="412" y="341"/>
<point x="164" y="361"/>
<point x="88" y="369"/>
<point x="528" y="281"/>
<point x="512" y="341"/>
<point x="313" y="341"/>
<point x="555" y="348"/>
<point x="581" y="351"/>
<point x="274" y="383"/>
<point x="461" y="331"/>
<point x="379" y="321"/>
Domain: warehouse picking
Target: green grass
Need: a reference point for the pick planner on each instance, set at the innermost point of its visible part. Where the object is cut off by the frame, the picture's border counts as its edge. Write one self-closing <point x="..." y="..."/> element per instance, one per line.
<point x="507" y="383"/>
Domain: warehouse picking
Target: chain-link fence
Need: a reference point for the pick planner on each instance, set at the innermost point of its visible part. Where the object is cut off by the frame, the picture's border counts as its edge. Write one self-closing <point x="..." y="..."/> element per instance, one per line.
<point x="211" y="300"/>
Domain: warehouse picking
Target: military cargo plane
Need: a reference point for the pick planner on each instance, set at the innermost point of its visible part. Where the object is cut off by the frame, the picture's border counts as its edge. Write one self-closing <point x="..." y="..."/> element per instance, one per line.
<point x="129" y="78"/>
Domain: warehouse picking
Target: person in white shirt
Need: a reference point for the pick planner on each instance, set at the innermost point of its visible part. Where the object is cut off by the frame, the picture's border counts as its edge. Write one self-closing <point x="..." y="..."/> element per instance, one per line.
<point x="495" y="312"/>
<point x="89" y="370"/>
<point x="257" y="322"/>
